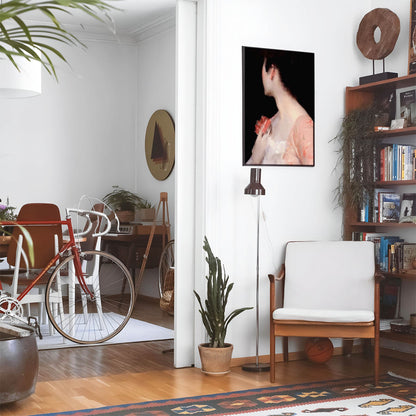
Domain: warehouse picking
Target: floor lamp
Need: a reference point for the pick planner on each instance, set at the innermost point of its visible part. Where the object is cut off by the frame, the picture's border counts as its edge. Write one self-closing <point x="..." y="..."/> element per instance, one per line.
<point x="256" y="189"/>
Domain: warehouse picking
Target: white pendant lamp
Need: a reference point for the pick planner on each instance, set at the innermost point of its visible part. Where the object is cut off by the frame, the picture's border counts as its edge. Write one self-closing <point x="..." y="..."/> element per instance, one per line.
<point x="22" y="83"/>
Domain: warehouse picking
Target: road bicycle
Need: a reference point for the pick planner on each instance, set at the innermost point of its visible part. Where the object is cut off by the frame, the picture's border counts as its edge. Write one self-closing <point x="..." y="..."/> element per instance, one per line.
<point x="89" y="295"/>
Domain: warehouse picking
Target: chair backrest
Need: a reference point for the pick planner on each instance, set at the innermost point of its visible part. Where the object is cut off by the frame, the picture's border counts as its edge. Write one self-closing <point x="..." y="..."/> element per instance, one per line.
<point x="329" y="275"/>
<point x="43" y="236"/>
<point x="91" y="241"/>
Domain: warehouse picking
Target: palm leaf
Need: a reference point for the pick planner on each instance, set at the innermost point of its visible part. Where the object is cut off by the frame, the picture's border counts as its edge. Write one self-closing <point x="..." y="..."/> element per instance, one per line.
<point x="28" y="40"/>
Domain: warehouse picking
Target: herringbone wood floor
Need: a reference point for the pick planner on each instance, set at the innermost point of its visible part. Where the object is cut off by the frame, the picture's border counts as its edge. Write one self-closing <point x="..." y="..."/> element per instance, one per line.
<point x="79" y="378"/>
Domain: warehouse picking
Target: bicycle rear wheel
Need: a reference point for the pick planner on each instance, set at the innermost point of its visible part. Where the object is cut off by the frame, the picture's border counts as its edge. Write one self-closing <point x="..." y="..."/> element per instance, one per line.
<point x="166" y="263"/>
<point x="84" y="319"/>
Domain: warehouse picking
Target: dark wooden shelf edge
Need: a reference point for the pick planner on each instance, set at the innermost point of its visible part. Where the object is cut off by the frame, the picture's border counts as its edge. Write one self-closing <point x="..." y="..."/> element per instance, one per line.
<point x="383" y="224"/>
<point x="395" y="183"/>
<point x="399" y="82"/>
<point x="402" y="275"/>
<point x="396" y="132"/>
<point x="408" y="338"/>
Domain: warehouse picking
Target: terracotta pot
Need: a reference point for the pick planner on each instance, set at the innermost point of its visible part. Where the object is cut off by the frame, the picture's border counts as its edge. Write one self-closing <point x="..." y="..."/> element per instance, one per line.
<point x="215" y="361"/>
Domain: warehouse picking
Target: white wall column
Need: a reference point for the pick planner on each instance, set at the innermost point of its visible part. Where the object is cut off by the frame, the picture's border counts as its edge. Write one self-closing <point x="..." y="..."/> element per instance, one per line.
<point x="185" y="181"/>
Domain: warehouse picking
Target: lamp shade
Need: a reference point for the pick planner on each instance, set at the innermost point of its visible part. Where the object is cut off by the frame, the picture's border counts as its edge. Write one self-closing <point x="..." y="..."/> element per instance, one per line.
<point x="255" y="187"/>
<point x="25" y="82"/>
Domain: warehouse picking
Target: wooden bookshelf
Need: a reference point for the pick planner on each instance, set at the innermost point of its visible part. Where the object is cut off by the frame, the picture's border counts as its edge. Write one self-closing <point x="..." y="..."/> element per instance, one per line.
<point x="360" y="97"/>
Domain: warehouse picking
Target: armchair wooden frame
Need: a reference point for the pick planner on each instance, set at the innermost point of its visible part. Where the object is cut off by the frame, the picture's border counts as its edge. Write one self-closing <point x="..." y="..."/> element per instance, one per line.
<point x="298" y="328"/>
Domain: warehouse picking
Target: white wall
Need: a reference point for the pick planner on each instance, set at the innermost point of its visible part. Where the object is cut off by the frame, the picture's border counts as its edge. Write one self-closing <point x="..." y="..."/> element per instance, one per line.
<point x="155" y="91"/>
<point x="78" y="136"/>
<point x="299" y="200"/>
<point x="92" y="121"/>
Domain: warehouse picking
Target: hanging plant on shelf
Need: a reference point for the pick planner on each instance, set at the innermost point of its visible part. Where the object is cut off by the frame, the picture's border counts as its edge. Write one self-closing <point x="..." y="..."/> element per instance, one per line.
<point x="358" y="157"/>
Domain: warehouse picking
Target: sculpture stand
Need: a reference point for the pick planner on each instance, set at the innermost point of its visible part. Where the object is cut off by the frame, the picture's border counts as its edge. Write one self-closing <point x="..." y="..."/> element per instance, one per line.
<point x="378" y="77"/>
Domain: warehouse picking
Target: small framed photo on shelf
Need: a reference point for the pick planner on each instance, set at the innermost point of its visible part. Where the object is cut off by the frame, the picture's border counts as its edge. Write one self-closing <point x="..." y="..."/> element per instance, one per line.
<point x="406" y="106"/>
<point x="408" y="208"/>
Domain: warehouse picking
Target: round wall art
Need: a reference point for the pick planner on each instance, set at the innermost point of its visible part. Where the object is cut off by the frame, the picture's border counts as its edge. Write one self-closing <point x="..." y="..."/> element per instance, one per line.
<point x="389" y="25"/>
<point x="160" y="144"/>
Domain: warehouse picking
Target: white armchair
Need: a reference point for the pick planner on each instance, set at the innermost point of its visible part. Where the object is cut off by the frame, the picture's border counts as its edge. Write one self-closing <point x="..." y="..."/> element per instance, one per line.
<point x="330" y="289"/>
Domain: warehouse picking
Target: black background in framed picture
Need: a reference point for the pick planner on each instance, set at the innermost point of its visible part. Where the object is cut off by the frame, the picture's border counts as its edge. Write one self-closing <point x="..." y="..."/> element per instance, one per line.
<point x="412" y="38"/>
<point x="271" y="135"/>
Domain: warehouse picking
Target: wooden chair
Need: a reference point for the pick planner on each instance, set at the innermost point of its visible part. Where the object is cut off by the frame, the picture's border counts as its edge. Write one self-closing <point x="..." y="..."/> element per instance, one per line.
<point x="46" y="241"/>
<point x="330" y="289"/>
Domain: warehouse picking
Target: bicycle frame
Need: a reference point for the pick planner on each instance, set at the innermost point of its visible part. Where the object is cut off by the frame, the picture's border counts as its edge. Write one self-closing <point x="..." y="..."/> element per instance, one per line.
<point x="70" y="245"/>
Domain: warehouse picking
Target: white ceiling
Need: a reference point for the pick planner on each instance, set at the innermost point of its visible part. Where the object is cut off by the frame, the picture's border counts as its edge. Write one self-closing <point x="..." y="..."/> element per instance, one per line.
<point x="138" y="14"/>
<point x="132" y="17"/>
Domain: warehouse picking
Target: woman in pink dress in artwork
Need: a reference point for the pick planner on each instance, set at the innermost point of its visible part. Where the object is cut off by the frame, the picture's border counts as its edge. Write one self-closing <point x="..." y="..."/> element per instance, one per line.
<point x="287" y="137"/>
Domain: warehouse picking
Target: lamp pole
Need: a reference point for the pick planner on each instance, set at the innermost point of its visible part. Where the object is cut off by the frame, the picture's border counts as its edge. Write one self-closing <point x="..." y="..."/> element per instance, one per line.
<point x="256" y="189"/>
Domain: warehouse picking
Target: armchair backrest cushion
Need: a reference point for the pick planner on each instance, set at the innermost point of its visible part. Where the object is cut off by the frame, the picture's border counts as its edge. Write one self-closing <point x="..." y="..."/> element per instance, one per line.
<point x="337" y="275"/>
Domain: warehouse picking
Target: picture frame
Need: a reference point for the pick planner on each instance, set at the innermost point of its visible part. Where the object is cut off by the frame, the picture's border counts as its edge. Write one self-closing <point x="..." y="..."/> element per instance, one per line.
<point x="406" y="105"/>
<point x="408" y="208"/>
<point x="412" y="38"/>
<point x="265" y="141"/>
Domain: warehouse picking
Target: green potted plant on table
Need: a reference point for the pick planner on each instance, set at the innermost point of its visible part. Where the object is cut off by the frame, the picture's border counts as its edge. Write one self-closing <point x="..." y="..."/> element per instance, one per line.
<point x="123" y="202"/>
<point x="216" y="354"/>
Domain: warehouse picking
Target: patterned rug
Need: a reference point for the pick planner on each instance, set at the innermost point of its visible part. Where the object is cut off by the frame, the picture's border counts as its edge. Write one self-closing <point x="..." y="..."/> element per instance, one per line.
<point x="348" y="397"/>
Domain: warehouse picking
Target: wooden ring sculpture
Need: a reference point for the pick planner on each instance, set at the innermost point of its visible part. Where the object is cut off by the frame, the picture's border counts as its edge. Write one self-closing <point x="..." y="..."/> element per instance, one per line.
<point x="389" y="25"/>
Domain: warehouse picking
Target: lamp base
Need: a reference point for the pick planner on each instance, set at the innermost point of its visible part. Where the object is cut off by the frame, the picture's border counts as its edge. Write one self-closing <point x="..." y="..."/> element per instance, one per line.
<point x="254" y="367"/>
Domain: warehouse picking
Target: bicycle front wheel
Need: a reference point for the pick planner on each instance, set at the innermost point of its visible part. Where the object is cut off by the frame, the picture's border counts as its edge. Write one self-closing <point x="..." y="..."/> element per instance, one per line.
<point x="96" y="314"/>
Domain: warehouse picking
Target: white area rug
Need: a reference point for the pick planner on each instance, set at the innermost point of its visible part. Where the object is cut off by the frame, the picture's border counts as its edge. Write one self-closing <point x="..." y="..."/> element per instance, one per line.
<point x="134" y="331"/>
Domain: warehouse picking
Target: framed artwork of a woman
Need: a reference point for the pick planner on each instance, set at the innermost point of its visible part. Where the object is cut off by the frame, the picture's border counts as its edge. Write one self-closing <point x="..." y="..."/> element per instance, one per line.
<point x="278" y="107"/>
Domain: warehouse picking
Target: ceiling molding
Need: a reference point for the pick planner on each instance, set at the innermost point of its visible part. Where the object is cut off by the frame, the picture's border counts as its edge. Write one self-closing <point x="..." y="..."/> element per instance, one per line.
<point x="133" y="35"/>
<point x="154" y="28"/>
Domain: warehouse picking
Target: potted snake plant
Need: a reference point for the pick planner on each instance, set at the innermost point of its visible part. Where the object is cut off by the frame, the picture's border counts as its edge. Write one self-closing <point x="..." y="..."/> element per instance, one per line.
<point x="216" y="354"/>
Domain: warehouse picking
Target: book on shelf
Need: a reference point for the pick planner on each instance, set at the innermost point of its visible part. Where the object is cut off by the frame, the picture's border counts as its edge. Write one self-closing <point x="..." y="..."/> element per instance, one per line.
<point x="387" y="259"/>
<point x="408" y="208"/>
<point x="397" y="162"/>
<point x="408" y="256"/>
<point x="389" y="207"/>
<point x="385" y="252"/>
<point x="401" y="255"/>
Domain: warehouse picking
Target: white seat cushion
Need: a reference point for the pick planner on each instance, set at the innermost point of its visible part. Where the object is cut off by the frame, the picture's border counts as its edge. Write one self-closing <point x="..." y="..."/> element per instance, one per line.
<point x="323" y="315"/>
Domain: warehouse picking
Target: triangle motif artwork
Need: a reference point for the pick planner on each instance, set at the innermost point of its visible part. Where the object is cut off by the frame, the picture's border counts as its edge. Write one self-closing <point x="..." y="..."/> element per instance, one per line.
<point x="158" y="154"/>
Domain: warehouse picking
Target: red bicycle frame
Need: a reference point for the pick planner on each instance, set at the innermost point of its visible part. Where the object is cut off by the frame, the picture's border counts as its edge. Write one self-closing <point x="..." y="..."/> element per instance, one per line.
<point x="71" y="244"/>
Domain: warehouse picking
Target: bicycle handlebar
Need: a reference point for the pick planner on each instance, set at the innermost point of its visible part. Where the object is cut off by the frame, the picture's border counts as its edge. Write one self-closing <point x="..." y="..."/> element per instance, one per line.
<point x="87" y="214"/>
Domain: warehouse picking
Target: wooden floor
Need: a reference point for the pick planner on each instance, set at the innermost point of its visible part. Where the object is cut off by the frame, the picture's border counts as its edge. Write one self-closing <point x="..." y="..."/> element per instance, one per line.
<point x="88" y="377"/>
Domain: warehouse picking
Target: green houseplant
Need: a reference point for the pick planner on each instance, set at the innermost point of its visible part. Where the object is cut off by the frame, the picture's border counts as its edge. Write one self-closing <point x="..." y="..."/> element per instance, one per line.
<point x="37" y="41"/>
<point x="125" y="203"/>
<point x="357" y="155"/>
<point x="216" y="355"/>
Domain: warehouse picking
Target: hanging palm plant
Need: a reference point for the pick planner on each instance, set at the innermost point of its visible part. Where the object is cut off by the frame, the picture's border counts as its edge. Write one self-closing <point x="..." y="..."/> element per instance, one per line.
<point x="357" y="154"/>
<point x="33" y="41"/>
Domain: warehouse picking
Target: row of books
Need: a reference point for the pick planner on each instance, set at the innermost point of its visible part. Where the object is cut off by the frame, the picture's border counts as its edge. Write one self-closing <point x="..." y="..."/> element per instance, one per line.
<point x="397" y="162"/>
<point x="392" y="253"/>
<point x="389" y="206"/>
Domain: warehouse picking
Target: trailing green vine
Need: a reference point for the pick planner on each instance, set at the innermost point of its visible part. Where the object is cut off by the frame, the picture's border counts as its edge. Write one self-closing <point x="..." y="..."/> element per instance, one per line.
<point x="358" y="156"/>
